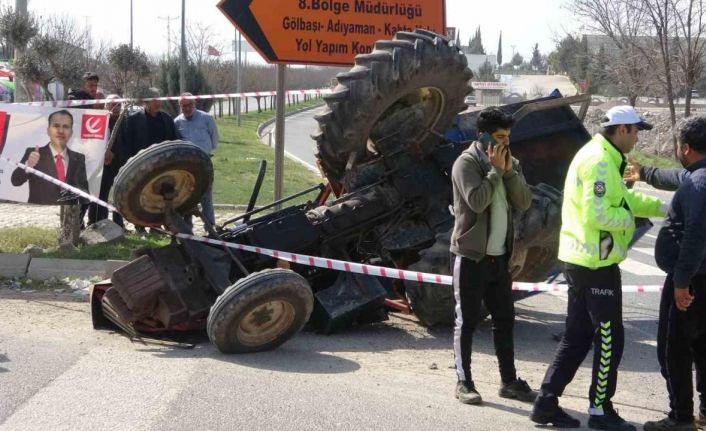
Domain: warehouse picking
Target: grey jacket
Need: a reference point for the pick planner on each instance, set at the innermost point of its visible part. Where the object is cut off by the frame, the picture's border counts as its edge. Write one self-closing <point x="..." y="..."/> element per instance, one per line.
<point x="474" y="181"/>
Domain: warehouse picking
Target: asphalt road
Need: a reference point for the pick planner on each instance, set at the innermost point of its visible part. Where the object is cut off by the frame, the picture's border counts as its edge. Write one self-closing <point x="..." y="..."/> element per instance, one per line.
<point x="57" y="373"/>
<point x="298" y="144"/>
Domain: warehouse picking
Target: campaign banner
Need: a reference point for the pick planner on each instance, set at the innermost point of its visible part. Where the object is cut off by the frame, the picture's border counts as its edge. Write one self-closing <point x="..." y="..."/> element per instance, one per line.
<point x="66" y="144"/>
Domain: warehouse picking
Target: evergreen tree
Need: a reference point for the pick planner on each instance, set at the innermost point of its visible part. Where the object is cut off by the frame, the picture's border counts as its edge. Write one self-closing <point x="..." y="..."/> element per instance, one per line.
<point x="475" y="46"/>
<point x="580" y="64"/>
<point x="500" y="49"/>
<point x="536" y="61"/>
<point x="458" y="38"/>
<point x="517" y="59"/>
<point x="195" y="84"/>
<point x="597" y="74"/>
<point x="486" y="72"/>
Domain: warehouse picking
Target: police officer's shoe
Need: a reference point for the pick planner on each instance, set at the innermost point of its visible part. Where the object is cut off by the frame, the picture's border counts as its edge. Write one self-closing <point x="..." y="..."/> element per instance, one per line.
<point x="466" y="393"/>
<point x="669" y="424"/>
<point x="610" y="421"/>
<point x="517" y="389"/>
<point x="557" y="417"/>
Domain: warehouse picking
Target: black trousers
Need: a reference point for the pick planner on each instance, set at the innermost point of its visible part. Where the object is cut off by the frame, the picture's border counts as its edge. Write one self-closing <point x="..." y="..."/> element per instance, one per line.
<point x="474" y="283"/>
<point x="97" y="212"/>
<point x="681" y="343"/>
<point x="594" y="315"/>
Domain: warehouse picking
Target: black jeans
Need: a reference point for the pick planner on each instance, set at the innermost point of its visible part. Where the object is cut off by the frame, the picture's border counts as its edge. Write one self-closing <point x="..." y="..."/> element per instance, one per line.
<point x="97" y="212"/>
<point x="594" y="315"/>
<point x="475" y="282"/>
<point x="681" y="343"/>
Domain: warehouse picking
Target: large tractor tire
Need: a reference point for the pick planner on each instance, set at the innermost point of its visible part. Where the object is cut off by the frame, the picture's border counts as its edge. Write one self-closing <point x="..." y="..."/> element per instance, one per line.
<point x="432" y="303"/>
<point x="260" y="311"/>
<point x="178" y="170"/>
<point x="401" y="96"/>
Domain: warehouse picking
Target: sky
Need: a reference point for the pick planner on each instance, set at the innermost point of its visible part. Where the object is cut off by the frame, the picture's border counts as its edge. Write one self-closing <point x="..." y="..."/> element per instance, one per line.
<point x="523" y="23"/>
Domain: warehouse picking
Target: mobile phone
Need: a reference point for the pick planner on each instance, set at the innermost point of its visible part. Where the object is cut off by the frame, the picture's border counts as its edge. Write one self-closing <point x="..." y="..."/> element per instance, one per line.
<point x="486" y="139"/>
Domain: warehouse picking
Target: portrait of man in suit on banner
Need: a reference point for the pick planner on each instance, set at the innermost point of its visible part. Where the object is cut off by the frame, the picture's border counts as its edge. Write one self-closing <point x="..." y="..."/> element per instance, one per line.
<point x="54" y="159"/>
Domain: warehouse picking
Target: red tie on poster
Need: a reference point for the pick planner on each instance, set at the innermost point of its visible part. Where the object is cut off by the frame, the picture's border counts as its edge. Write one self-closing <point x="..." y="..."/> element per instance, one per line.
<point x="60" y="171"/>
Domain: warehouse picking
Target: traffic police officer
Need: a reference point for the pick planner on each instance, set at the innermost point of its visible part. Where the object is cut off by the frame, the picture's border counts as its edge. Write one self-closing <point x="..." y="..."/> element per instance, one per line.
<point x="598" y="222"/>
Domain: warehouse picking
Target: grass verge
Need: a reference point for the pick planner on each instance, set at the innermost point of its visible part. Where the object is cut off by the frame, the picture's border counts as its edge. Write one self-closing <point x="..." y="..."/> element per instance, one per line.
<point x="236" y="162"/>
<point x="15" y="239"/>
<point x="657" y="161"/>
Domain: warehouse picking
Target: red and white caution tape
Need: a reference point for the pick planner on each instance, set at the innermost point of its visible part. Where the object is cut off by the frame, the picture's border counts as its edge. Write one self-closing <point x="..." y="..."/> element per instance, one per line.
<point x="381" y="271"/>
<point x="61" y="184"/>
<point x="73" y="103"/>
<point x="339" y="265"/>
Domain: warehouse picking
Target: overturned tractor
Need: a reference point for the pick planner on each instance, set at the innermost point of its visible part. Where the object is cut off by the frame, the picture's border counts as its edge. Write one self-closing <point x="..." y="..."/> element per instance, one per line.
<point x="386" y="140"/>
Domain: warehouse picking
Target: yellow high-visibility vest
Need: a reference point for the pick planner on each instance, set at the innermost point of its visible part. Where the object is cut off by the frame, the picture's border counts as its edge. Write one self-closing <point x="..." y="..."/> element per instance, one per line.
<point x="598" y="212"/>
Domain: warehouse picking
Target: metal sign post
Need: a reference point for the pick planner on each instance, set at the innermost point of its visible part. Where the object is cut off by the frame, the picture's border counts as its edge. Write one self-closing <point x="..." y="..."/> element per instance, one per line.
<point x="279" y="131"/>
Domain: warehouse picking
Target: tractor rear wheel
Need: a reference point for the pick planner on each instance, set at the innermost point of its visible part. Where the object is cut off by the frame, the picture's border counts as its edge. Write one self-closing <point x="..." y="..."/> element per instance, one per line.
<point x="260" y="312"/>
<point x="401" y="96"/>
<point x="432" y="303"/>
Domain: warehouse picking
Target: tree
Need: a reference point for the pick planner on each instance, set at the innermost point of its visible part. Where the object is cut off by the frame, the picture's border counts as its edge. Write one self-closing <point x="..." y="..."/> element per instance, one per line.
<point x="517" y="59"/>
<point x="486" y="72"/>
<point x="500" y="49"/>
<point x="130" y="67"/>
<point x="195" y="84"/>
<point x="536" y="61"/>
<point x="690" y="45"/>
<point x="598" y="72"/>
<point x="199" y="37"/>
<point x="475" y="45"/>
<point x="61" y="44"/>
<point x="17" y="30"/>
<point x="563" y="58"/>
<point x="33" y="69"/>
<point x="458" y="38"/>
<point x="643" y="27"/>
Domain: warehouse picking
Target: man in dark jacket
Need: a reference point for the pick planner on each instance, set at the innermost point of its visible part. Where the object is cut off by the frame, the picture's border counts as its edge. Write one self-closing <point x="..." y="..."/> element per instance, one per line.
<point x="53" y="159"/>
<point x="89" y="91"/>
<point x="147" y="127"/>
<point x="487" y="185"/>
<point x="144" y="128"/>
<point x="113" y="161"/>
<point x="680" y="251"/>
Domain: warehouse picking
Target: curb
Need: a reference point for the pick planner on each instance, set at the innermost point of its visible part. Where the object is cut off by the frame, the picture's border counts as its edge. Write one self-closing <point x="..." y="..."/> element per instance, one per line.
<point x="39" y="268"/>
<point x="266" y="123"/>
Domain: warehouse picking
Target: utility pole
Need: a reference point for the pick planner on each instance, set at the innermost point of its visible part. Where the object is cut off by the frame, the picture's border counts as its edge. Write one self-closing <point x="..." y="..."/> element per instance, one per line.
<point x="182" y="59"/>
<point x="169" y="33"/>
<point x="20" y="95"/>
<point x="131" y="25"/>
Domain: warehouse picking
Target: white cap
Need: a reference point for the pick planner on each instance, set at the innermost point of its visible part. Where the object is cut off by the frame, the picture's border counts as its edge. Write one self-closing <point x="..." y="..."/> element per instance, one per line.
<point x="624" y="114"/>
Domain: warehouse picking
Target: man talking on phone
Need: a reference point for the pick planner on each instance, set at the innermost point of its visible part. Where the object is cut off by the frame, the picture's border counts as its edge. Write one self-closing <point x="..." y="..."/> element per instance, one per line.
<point x="487" y="185"/>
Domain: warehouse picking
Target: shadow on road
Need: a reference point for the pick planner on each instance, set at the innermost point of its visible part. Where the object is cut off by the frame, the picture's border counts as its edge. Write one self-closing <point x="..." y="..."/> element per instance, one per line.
<point x="289" y="358"/>
<point x="536" y="335"/>
<point x="3" y="359"/>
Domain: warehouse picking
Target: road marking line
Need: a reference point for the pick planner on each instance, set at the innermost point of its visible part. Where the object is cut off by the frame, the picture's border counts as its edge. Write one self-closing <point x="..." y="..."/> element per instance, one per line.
<point x="638" y="268"/>
<point x="644" y="250"/>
